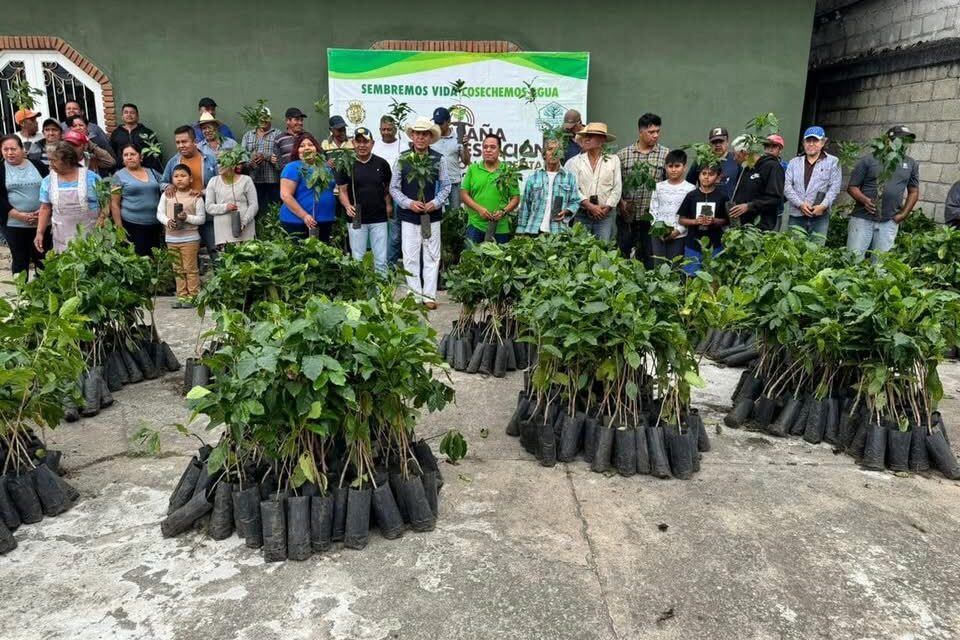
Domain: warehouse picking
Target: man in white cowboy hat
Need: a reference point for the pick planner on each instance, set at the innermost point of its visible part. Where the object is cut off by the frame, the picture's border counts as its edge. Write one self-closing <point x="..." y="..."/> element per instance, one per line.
<point x="208" y="105"/>
<point x="212" y="140"/>
<point x="421" y="205"/>
<point x="598" y="181"/>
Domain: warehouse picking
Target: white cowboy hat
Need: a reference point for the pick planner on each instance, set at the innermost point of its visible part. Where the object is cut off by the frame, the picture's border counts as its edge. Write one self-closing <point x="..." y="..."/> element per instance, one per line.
<point x="598" y="129"/>
<point x="424" y="124"/>
<point x="208" y="118"/>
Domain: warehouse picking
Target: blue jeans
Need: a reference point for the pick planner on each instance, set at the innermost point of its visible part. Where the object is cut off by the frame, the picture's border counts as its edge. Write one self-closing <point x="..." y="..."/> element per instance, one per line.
<point x="453" y="200"/>
<point x="605" y="229"/>
<point x="693" y="260"/>
<point x="394" y="244"/>
<point x="207" y="240"/>
<point x="863" y="235"/>
<point x="818" y="225"/>
<point x="376" y="233"/>
<point x="475" y="236"/>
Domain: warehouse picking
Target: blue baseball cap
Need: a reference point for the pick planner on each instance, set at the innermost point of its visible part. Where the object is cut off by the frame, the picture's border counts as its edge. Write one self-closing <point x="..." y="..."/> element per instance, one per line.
<point x="337" y="122"/>
<point x="814" y="132"/>
<point x="441" y="115"/>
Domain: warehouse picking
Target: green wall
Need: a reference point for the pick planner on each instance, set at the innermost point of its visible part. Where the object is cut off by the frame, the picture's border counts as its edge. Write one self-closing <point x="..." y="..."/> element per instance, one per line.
<point x="696" y="63"/>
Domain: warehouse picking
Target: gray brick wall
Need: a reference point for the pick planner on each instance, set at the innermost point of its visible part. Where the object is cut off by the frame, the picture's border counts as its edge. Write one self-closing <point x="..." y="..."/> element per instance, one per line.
<point x="882" y="24"/>
<point x="926" y="100"/>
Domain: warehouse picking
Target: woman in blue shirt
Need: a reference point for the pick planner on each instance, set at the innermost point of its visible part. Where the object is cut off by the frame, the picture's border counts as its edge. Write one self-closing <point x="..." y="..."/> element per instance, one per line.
<point x="306" y="189"/>
<point x="133" y="205"/>
<point x="20" y="180"/>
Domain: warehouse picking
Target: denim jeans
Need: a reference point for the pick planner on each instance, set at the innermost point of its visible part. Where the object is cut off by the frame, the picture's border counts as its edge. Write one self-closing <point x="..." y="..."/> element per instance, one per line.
<point x="453" y="200"/>
<point x="693" y="260"/>
<point x="207" y="239"/>
<point x="604" y="229"/>
<point x="394" y="242"/>
<point x="475" y="236"/>
<point x="376" y="234"/>
<point x="863" y="235"/>
<point x="818" y="225"/>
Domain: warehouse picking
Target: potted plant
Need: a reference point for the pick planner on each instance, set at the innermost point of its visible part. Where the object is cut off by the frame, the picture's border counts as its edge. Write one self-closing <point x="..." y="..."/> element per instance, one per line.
<point x="344" y="164"/>
<point x="234" y="159"/>
<point x="423" y="170"/>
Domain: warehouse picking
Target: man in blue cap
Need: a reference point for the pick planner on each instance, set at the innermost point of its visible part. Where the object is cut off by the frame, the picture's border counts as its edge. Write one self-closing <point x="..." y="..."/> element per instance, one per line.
<point x="453" y="150"/>
<point x="338" y="139"/>
<point x="811" y="184"/>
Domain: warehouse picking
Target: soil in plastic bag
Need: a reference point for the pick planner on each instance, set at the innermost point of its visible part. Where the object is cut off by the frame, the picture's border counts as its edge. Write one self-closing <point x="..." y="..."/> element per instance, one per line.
<point x="53" y="499"/>
<point x="23" y="494"/>
<point x="298" y="528"/>
<point x="659" y="462"/>
<point x="274" y="521"/>
<point x="321" y="523"/>
<point x="358" y="518"/>
<point x="875" y="448"/>
<point x="221" y="518"/>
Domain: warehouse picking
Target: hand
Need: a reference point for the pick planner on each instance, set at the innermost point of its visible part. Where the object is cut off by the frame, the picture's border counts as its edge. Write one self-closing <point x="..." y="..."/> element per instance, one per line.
<point x="818" y="210"/>
<point x="257" y="159"/>
<point x="624" y="208"/>
<point x="900" y="217"/>
<point x="196" y="194"/>
<point x="38" y="242"/>
<point x="351" y="210"/>
<point x="232" y="206"/>
<point x="330" y="163"/>
<point x="806" y="208"/>
<point x="560" y="217"/>
<point x="716" y="222"/>
<point x="417" y="206"/>
<point x="738" y="210"/>
<point x="596" y="211"/>
<point x="172" y="224"/>
<point x="870" y="206"/>
<point x="309" y="221"/>
<point x="496" y="215"/>
<point x="169" y="191"/>
<point x="429" y="207"/>
<point x="673" y="235"/>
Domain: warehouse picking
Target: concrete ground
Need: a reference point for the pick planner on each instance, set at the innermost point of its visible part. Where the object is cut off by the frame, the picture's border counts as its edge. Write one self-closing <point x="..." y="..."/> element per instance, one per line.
<point x="773" y="539"/>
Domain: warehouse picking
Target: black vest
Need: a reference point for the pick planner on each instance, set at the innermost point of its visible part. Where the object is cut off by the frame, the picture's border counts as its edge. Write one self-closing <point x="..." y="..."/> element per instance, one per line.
<point x="410" y="189"/>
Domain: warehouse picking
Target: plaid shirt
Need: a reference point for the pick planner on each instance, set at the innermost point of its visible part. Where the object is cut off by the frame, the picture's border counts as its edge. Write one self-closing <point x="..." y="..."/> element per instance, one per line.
<point x="533" y="205"/>
<point x="265" y="172"/>
<point x="639" y="201"/>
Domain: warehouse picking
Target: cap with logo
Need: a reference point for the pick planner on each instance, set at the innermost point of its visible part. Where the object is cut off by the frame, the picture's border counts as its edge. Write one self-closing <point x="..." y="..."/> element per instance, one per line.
<point x="718" y="133"/>
<point x="814" y="132"/>
<point x="441" y="115"/>
<point x="294" y="112"/>
<point x="76" y="138"/>
<point x="362" y="133"/>
<point x="900" y="131"/>
<point x="337" y="122"/>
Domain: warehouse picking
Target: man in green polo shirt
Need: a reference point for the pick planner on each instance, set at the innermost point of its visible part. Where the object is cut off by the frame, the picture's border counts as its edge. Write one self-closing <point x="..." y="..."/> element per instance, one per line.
<point x="485" y="200"/>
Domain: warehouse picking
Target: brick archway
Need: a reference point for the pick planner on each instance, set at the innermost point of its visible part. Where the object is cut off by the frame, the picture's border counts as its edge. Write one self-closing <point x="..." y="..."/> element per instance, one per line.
<point x="50" y="43"/>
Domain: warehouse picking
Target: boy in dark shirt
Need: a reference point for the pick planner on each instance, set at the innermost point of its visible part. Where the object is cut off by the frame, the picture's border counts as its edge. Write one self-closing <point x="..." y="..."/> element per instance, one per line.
<point x="704" y="213"/>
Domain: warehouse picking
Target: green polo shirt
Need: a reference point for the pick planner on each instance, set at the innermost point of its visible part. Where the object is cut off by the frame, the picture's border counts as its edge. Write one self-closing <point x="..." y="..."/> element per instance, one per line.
<point x="481" y="184"/>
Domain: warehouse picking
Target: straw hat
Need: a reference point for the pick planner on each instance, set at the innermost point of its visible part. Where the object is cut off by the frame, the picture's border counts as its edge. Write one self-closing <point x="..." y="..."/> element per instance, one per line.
<point x="208" y="118"/>
<point x="596" y="128"/>
<point x="424" y="124"/>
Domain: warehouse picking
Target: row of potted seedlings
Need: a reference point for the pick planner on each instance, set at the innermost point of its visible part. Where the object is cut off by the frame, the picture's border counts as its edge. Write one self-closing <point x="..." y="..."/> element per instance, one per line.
<point x="40" y="357"/>
<point x="317" y="401"/>
<point x="610" y="364"/>
<point x="116" y="290"/>
<point x="847" y="351"/>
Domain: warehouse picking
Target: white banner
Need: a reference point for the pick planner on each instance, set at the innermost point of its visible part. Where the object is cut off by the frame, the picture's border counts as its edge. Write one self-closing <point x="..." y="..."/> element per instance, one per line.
<point x="517" y="96"/>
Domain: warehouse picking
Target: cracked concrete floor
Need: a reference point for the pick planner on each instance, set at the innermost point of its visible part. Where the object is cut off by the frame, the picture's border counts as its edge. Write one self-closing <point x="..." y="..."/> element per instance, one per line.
<point x="773" y="539"/>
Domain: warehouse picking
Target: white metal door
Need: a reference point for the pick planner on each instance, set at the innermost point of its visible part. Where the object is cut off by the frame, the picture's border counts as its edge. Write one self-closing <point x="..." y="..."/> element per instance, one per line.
<point x="59" y="79"/>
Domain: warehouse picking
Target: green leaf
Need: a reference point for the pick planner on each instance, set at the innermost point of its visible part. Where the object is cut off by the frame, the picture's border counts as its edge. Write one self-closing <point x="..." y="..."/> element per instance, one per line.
<point x="312" y="367"/>
<point x="454" y="446"/>
<point x="316" y="410"/>
<point x="596" y="307"/>
<point x="217" y="458"/>
<point x="693" y="379"/>
<point x="197" y="392"/>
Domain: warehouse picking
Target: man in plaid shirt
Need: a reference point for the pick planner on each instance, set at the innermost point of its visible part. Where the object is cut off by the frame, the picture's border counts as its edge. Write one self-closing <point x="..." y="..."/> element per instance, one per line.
<point x="633" y="231"/>
<point x="261" y="143"/>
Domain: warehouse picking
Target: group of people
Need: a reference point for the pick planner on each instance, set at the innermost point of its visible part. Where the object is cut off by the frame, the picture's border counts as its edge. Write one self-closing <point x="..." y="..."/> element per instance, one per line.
<point x="395" y="192"/>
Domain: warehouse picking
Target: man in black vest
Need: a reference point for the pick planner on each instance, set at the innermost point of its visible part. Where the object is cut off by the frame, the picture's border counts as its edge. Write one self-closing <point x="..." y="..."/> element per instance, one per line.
<point x="420" y="208"/>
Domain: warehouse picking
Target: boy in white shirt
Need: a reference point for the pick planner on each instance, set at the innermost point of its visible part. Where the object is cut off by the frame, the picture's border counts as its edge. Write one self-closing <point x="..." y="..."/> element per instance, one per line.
<point x="665" y="203"/>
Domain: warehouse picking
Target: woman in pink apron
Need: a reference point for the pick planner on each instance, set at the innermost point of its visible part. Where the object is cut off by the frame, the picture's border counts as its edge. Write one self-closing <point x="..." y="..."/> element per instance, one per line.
<point x="68" y="198"/>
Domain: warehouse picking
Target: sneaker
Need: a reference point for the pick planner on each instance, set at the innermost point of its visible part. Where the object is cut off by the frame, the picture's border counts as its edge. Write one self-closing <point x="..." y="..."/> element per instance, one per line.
<point x="187" y="305"/>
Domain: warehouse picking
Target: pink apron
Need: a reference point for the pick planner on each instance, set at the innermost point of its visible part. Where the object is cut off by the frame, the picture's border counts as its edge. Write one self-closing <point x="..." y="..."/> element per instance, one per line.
<point x="69" y="209"/>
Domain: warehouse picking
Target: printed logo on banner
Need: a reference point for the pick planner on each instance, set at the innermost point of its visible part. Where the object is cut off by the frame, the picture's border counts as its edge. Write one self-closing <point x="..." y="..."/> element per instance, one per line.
<point x="356" y="114"/>
<point x="551" y="116"/>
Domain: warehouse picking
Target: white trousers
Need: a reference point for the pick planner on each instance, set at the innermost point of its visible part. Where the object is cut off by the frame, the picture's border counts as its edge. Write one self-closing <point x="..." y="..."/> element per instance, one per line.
<point x="412" y="243"/>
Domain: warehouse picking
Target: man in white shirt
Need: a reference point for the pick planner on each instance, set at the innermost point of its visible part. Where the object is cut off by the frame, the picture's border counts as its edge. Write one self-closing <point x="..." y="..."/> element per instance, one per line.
<point x="389" y="148"/>
<point x="598" y="181"/>
<point x="453" y="150"/>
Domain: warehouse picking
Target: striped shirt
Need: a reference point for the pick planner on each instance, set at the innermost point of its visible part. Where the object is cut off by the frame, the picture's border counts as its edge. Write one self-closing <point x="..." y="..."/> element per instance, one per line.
<point x="265" y="145"/>
<point x="639" y="200"/>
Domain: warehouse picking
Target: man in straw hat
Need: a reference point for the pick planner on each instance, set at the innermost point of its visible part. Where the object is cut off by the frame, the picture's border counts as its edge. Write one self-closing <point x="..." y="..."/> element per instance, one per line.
<point x="212" y="140"/>
<point x="598" y="181"/>
<point x="419" y="185"/>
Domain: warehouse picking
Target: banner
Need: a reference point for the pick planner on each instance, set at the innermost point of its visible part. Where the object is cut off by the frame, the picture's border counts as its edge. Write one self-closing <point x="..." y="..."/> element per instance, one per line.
<point x="517" y="95"/>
